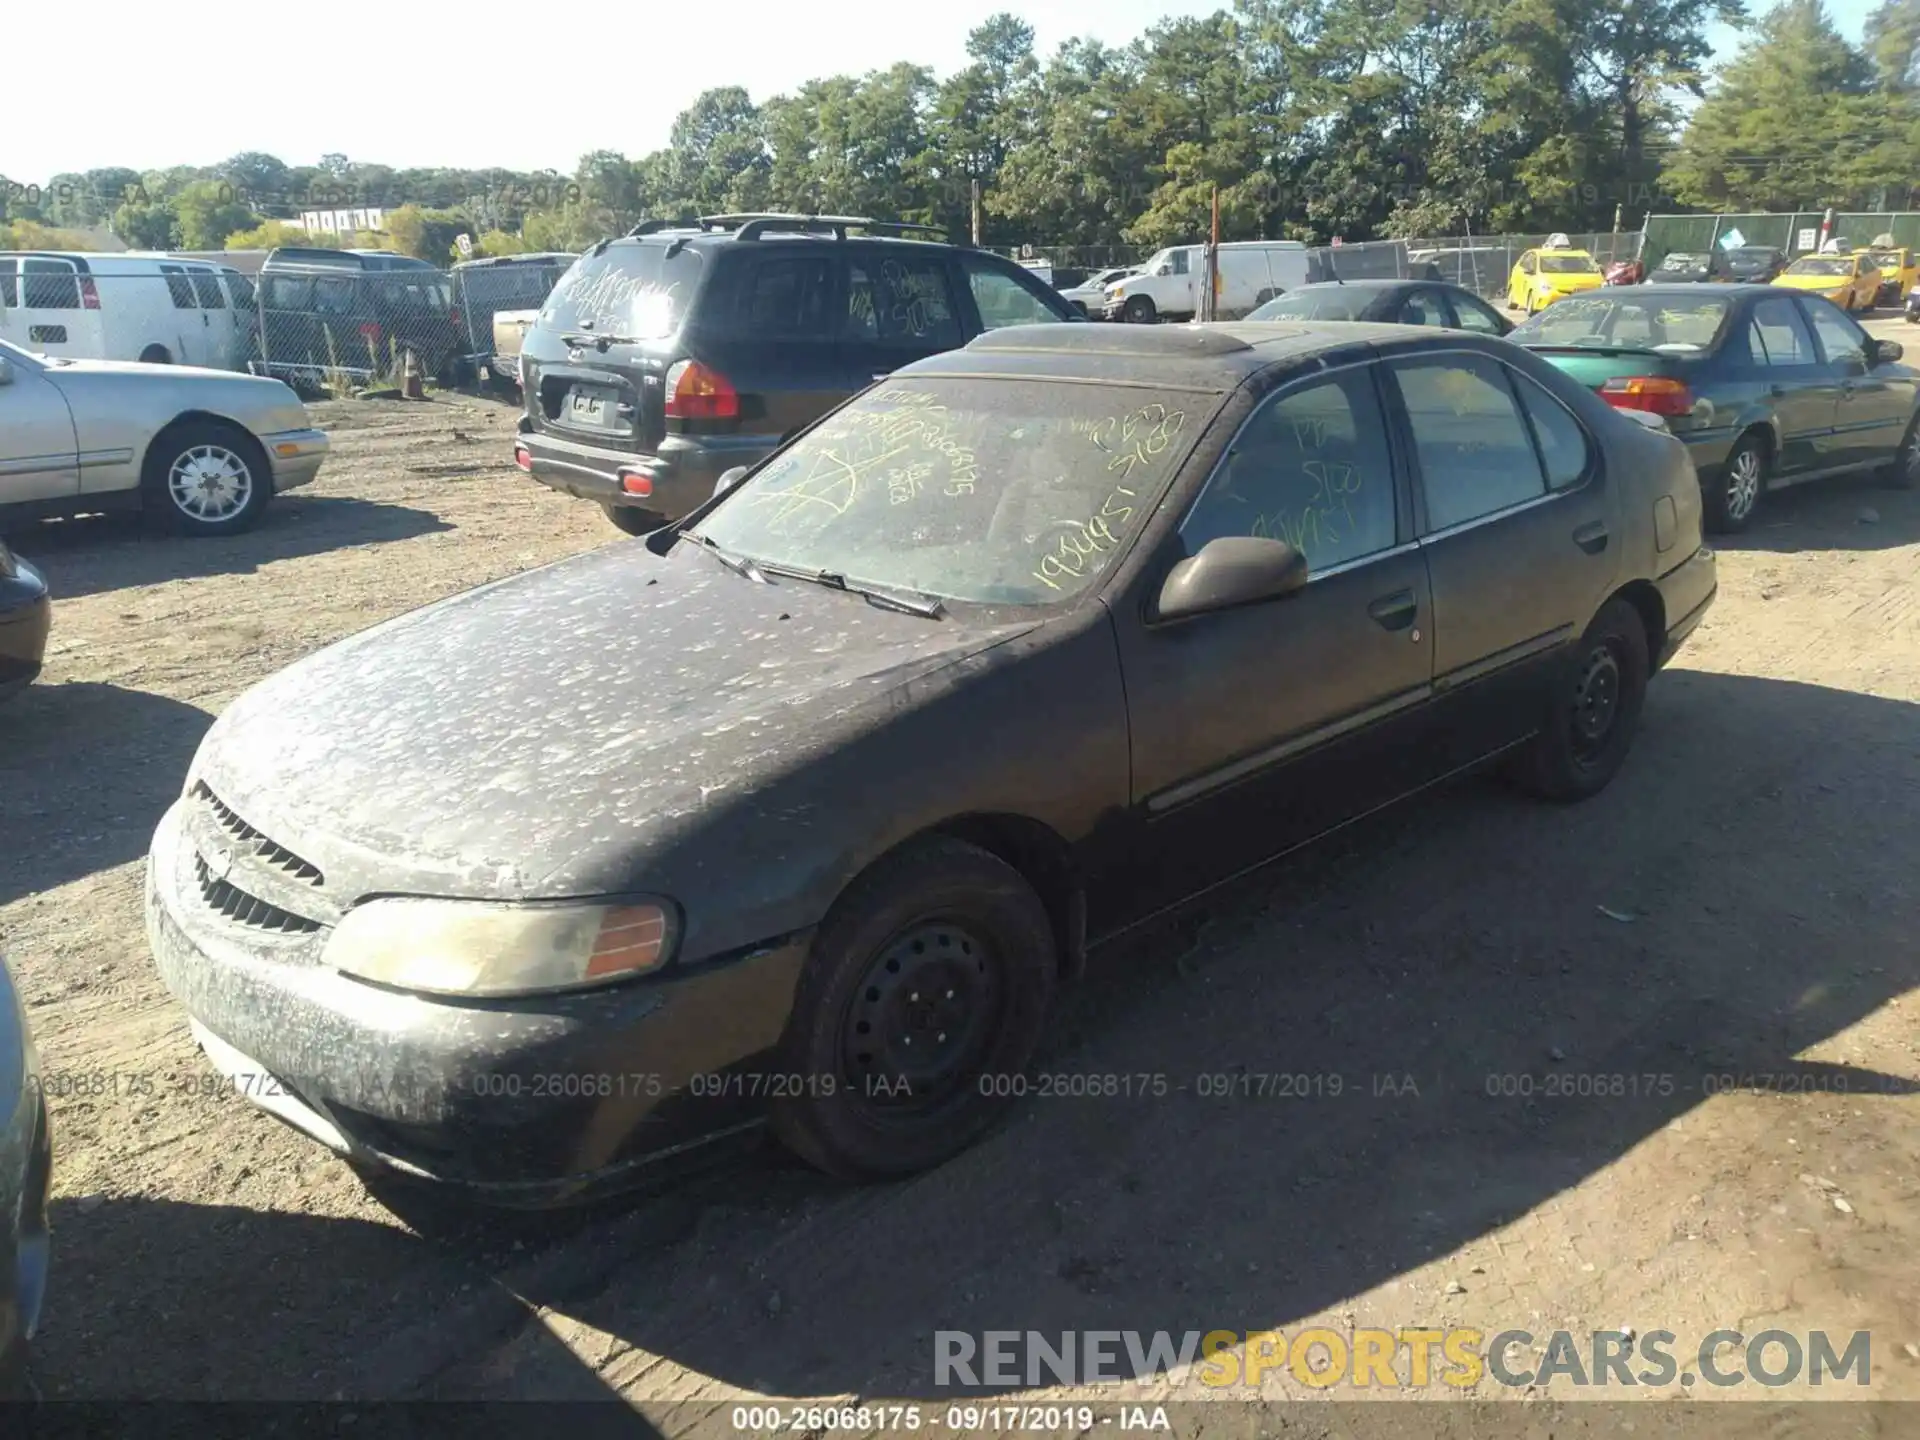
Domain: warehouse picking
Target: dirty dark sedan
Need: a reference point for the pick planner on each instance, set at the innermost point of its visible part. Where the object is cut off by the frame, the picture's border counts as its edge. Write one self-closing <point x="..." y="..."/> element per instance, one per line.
<point x="804" y="807"/>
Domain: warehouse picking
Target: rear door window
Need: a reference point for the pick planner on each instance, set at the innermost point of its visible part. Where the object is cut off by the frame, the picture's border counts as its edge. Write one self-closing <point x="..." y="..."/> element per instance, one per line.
<point x="49" y="284"/>
<point x="633" y="289"/>
<point x="178" y="286"/>
<point x="333" y="295"/>
<point x="1475" y="451"/>
<point x="902" y="301"/>
<point x="287" y="292"/>
<point x="782" y="297"/>
<point x="9" y="282"/>
<point x="1777" y="338"/>
<point x="206" y="290"/>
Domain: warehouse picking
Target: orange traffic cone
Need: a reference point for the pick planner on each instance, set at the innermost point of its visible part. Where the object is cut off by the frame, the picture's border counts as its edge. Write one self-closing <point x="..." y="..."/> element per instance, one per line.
<point x="412" y="384"/>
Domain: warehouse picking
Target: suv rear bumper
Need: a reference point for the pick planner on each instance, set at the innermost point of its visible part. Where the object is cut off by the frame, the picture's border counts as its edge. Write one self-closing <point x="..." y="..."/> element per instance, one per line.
<point x="683" y="471"/>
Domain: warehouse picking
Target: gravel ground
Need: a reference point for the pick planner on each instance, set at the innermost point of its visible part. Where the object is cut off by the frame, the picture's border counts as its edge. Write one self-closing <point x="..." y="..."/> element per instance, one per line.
<point x="1741" y="902"/>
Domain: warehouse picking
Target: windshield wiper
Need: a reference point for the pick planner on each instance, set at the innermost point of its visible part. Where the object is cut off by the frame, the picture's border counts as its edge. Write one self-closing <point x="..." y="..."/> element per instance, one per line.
<point x="582" y="341"/>
<point x="739" y="564"/>
<point x="930" y="606"/>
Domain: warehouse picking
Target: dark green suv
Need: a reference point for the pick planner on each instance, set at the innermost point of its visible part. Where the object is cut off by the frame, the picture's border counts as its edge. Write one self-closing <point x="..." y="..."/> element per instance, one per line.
<point x="674" y="354"/>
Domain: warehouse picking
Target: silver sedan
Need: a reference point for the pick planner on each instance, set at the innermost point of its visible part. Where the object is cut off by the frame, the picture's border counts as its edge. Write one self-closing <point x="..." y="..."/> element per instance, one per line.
<point x="200" y="450"/>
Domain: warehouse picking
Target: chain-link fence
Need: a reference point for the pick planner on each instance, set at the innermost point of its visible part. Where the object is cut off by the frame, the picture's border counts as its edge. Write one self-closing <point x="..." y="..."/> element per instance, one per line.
<point x="326" y="321"/>
<point x="1793" y="232"/>
<point x="1480" y="263"/>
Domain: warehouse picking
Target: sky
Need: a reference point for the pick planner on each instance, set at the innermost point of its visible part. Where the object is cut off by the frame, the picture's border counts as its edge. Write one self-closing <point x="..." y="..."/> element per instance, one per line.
<point x="474" y="85"/>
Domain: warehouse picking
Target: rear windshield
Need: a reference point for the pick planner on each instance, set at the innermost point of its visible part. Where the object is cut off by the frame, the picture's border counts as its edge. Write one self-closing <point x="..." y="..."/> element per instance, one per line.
<point x="999" y="491"/>
<point x="630" y="289"/>
<point x="1337" y="302"/>
<point x="1684" y="262"/>
<point x="1653" y="322"/>
<point x="1568" y="265"/>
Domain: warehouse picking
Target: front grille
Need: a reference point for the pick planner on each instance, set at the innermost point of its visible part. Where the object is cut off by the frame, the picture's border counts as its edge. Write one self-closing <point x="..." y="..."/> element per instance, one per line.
<point x="244" y="909"/>
<point x="276" y="855"/>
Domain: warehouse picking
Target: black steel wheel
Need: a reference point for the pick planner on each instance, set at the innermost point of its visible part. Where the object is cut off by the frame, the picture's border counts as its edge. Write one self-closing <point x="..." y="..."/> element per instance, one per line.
<point x="1593" y="711"/>
<point x="924" y="997"/>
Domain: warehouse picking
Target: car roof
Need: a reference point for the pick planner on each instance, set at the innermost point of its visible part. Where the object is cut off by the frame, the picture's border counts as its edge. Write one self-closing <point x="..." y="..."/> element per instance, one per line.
<point x="1213" y="357"/>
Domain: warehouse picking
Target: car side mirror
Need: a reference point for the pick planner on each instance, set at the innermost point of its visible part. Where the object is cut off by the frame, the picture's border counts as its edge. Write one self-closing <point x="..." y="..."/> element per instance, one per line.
<point x="728" y="479"/>
<point x="1231" y="571"/>
<point x="1885" y="352"/>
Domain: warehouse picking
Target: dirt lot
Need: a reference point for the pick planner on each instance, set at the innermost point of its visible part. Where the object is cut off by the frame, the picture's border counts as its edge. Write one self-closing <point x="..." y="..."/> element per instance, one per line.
<point x="1742" y="902"/>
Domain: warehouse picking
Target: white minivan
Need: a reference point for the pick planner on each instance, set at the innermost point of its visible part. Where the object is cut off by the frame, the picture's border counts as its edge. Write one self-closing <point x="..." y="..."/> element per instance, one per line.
<point x="142" y="305"/>
<point x="1168" y="286"/>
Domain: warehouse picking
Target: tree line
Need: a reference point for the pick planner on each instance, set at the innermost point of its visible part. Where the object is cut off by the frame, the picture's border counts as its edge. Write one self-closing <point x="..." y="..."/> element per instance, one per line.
<point x="1312" y="118"/>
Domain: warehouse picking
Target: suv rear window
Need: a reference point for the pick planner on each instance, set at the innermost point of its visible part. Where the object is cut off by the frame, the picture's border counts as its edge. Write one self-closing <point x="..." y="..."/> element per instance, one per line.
<point x="631" y="289"/>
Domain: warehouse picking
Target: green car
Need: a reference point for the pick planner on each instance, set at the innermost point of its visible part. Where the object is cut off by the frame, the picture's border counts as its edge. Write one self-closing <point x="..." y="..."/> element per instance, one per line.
<point x="1767" y="387"/>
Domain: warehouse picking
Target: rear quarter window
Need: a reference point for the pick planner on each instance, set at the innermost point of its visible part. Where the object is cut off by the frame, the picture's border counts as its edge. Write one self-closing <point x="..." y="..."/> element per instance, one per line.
<point x="632" y="288"/>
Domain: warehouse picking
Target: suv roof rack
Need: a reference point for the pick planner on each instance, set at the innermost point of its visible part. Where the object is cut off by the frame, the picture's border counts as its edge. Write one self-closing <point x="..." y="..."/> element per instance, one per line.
<point x="751" y="226"/>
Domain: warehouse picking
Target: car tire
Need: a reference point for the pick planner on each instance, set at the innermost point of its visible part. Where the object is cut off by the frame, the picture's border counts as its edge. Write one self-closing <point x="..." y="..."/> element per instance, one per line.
<point x="1594" y="713"/>
<point x="1903" y="471"/>
<point x="633" y="520"/>
<point x="1139" y="310"/>
<point x="205" y="477"/>
<point x="939" y="918"/>
<point x="1729" y="501"/>
<point x="156" y="355"/>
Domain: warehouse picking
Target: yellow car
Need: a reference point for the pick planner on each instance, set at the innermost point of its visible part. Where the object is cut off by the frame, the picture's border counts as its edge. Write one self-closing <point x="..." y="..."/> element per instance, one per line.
<point x="1899" y="272"/>
<point x="1543" y="276"/>
<point x="1851" y="281"/>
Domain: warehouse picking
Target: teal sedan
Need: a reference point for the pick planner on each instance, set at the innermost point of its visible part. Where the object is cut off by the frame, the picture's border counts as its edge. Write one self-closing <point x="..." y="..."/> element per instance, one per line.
<point x="1768" y="388"/>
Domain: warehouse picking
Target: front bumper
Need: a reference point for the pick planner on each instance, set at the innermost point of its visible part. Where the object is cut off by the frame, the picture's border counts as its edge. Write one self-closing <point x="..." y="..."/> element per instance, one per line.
<point x="1687" y="591"/>
<point x="26" y="617"/>
<point x="296" y="456"/>
<point x="523" y="1102"/>
<point x="682" y="471"/>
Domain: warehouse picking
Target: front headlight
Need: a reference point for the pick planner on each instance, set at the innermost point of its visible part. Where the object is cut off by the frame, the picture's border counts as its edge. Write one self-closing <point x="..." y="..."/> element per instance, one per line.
<point x="475" y="948"/>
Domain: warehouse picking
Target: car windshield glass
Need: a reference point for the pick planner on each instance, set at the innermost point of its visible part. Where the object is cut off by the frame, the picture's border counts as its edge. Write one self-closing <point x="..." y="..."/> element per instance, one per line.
<point x="631" y="289"/>
<point x="1012" y="491"/>
<point x="1884" y="258"/>
<point x="1645" y="322"/>
<point x="1568" y="265"/>
<point x="1335" y="302"/>
<point x="1822" y="265"/>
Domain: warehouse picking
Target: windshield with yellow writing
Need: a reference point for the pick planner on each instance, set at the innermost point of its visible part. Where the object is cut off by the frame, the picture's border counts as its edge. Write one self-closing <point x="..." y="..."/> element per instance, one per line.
<point x="1012" y="491"/>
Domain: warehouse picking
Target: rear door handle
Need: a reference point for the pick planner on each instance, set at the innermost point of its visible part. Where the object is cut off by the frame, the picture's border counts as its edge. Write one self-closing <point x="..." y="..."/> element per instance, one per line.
<point x="1591" y="537"/>
<point x="1396" y="611"/>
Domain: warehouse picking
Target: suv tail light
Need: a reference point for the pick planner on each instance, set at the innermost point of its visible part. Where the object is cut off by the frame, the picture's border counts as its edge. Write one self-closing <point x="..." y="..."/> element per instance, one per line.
<point x="696" y="392"/>
<point x="89" y="293"/>
<point x="1656" y="394"/>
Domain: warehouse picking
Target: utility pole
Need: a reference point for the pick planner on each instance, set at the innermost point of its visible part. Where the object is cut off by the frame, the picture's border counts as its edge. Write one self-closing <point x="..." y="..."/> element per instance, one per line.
<point x="1210" y="302"/>
<point x="976" y="211"/>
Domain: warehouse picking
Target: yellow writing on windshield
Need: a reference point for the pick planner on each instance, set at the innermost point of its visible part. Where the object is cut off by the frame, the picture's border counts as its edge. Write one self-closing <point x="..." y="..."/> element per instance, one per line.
<point x="1081" y="545"/>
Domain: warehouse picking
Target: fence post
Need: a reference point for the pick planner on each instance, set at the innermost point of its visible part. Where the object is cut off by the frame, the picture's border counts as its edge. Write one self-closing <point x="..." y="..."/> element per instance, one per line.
<point x="975" y="210"/>
<point x="1210" y="297"/>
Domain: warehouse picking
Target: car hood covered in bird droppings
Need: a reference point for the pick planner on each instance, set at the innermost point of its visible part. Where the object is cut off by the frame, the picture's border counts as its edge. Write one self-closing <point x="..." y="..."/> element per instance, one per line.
<point x="522" y="739"/>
